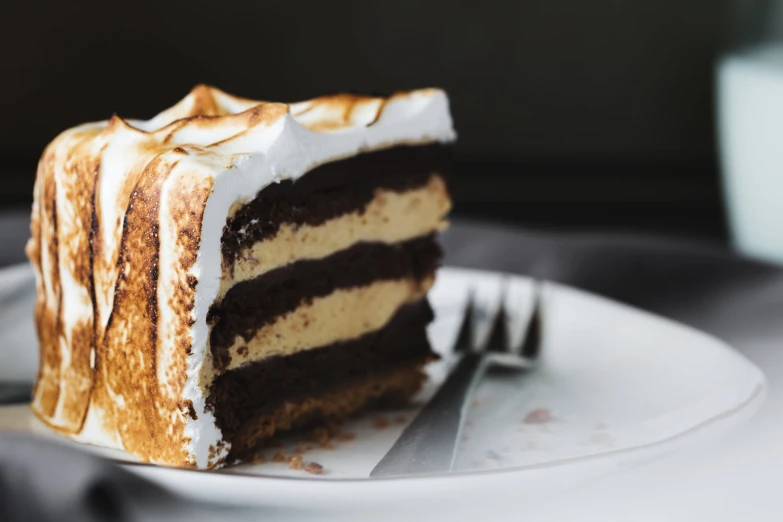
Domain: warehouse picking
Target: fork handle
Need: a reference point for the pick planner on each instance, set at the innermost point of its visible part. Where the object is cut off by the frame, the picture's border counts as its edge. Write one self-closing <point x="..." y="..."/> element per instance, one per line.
<point x="429" y="443"/>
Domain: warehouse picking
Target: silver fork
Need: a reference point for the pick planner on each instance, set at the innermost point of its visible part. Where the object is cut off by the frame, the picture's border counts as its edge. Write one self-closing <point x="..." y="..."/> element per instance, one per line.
<point x="429" y="443"/>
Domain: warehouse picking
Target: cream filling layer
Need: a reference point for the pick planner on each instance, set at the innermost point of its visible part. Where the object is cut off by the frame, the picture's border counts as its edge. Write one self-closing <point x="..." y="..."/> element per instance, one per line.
<point x="389" y="218"/>
<point x="342" y="315"/>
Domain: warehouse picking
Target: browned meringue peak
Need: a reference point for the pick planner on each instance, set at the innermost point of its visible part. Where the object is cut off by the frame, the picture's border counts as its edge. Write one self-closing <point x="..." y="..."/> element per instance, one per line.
<point x="206" y="117"/>
<point x="209" y="110"/>
<point x="203" y="100"/>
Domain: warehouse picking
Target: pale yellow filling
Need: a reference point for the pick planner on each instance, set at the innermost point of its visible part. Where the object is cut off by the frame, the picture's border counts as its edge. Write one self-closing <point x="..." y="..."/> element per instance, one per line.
<point x="389" y="218"/>
<point x="342" y="315"/>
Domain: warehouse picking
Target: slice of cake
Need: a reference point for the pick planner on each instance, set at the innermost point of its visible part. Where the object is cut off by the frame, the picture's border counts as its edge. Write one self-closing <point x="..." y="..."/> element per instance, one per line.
<point x="231" y="269"/>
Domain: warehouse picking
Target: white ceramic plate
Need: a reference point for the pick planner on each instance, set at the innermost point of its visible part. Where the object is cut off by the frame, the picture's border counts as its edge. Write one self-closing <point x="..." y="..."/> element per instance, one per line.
<point x="617" y="386"/>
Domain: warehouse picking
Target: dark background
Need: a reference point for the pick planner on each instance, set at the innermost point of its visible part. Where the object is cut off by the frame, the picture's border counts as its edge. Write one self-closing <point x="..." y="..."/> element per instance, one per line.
<point x="584" y="114"/>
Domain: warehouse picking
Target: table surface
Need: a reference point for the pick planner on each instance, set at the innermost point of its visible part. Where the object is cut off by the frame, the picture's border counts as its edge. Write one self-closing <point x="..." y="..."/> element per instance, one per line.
<point x="736" y="299"/>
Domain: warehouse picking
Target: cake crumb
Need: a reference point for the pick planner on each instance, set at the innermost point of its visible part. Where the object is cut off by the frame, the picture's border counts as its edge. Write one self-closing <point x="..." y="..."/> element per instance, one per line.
<point x="401" y="419"/>
<point x="314" y="468"/>
<point x="346" y="437"/>
<point x="538" y="416"/>
<point x="326" y="435"/>
<point x="295" y="462"/>
<point x="320" y="436"/>
<point x="475" y="404"/>
<point x="258" y="458"/>
<point x="380" y="422"/>
<point x="333" y="429"/>
<point x="279" y="456"/>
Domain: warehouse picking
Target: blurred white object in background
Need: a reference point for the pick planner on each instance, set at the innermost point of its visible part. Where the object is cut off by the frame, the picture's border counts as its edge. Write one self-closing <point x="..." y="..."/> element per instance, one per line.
<point x="750" y="122"/>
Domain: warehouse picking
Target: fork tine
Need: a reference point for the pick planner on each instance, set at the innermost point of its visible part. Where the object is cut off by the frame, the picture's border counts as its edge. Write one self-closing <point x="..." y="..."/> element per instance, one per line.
<point x="524" y="331"/>
<point x="498" y="338"/>
<point x="465" y="339"/>
<point x="531" y="345"/>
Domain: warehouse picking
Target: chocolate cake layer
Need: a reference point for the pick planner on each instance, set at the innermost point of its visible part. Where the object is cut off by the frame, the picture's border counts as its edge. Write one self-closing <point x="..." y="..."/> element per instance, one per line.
<point x="331" y="190"/>
<point x="241" y="395"/>
<point x="254" y="303"/>
<point x="390" y="388"/>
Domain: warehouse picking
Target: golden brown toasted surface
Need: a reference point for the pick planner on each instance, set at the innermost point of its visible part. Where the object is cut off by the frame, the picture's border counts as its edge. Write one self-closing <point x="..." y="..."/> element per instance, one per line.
<point x="100" y="346"/>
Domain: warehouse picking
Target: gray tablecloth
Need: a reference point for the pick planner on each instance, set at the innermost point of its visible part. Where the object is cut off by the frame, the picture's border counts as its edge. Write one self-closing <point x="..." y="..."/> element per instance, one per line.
<point x="699" y="284"/>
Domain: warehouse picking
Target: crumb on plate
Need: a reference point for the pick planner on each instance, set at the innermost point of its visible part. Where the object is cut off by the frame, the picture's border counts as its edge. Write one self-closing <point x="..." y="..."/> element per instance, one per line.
<point x="279" y="456"/>
<point x="295" y="462"/>
<point x="314" y="468"/>
<point x="538" y="416"/>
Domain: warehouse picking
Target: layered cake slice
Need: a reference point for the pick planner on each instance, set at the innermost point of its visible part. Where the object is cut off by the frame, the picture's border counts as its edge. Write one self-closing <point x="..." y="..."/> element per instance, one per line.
<point x="231" y="269"/>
